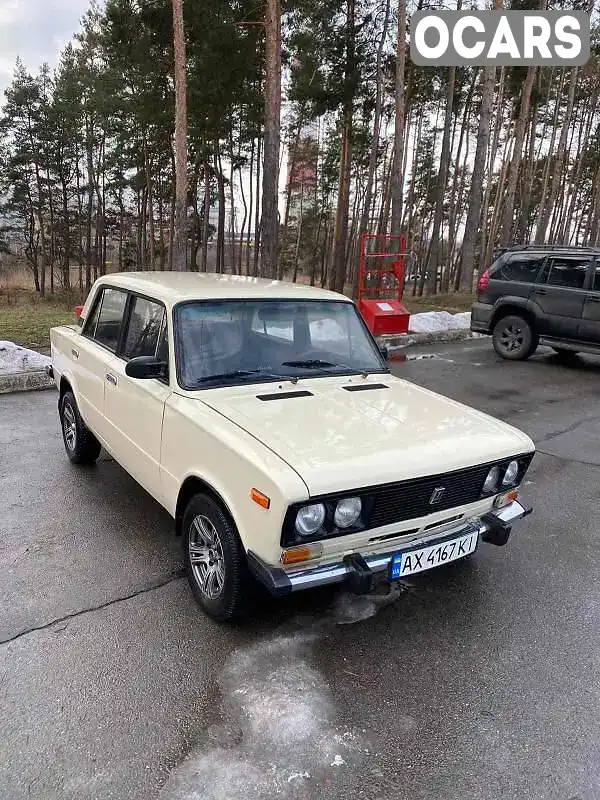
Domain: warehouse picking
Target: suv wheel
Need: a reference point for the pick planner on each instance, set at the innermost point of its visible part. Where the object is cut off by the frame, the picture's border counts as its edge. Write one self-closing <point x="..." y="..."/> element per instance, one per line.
<point x="215" y="560"/>
<point x="514" y="338"/>
<point x="80" y="443"/>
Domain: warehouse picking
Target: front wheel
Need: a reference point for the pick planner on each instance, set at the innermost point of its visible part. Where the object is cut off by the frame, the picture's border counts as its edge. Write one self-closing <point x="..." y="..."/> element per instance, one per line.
<point x="80" y="443"/>
<point x="215" y="560"/>
<point x="514" y="338"/>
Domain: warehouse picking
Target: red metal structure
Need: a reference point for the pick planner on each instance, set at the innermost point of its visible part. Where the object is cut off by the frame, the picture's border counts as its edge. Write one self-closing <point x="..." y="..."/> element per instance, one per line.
<point x="383" y="260"/>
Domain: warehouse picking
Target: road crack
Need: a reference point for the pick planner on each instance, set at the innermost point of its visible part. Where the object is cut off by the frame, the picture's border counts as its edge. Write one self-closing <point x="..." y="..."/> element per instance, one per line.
<point x="174" y="576"/>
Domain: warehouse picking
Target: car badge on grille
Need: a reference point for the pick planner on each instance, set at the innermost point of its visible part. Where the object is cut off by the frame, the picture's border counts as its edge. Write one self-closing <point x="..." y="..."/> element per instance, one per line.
<point x="436" y="495"/>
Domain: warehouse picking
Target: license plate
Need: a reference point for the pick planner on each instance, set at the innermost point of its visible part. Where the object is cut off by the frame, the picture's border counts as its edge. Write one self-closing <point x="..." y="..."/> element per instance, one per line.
<point x="420" y="559"/>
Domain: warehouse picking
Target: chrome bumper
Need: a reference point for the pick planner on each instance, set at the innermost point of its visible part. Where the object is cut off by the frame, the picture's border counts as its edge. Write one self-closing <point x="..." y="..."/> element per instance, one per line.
<point x="493" y="527"/>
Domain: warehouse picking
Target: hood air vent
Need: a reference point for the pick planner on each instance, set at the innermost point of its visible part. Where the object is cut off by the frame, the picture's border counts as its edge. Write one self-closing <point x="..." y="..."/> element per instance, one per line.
<point x="283" y="395"/>
<point x="365" y="387"/>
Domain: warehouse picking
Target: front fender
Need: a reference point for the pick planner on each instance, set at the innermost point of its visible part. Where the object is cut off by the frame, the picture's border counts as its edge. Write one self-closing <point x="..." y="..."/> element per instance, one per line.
<point x="199" y="442"/>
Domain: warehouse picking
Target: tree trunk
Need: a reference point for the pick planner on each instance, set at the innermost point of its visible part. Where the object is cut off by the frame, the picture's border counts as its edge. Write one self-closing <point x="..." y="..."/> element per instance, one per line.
<point x="435" y="244"/>
<point x="180" y="141"/>
<point x="374" y="152"/>
<point x="90" y="206"/>
<point x="506" y="226"/>
<point x="270" y="186"/>
<point x="251" y="205"/>
<point x="557" y="167"/>
<point x="205" y="216"/>
<point x="257" y="225"/>
<point x="467" y="261"/>
<point x="397" y="179"/>
<point x="221" y="218"/>
<point x="338" y="277"/>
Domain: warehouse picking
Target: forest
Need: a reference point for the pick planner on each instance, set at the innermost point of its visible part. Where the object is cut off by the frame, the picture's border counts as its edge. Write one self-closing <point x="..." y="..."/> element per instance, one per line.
<point x="459" y="161"/>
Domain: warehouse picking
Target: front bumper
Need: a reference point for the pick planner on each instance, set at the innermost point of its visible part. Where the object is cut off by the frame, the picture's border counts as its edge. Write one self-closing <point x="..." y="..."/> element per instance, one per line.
<point x="360" y="572"/>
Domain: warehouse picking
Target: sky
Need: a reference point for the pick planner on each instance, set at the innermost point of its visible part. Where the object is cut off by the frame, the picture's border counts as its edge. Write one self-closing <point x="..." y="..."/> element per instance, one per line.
<point x="37" y="31"/>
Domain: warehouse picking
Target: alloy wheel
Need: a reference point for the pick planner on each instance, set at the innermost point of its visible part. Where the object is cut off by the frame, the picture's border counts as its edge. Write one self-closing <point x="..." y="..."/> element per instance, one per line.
<point x="69" y="426"/>
<point x="512" y="338"/>
<point x="206" y="557"/>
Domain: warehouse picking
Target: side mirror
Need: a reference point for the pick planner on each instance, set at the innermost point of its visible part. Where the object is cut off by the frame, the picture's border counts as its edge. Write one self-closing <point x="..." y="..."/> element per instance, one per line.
<point x="383" y="349"/>
<point x="144" y="367"/>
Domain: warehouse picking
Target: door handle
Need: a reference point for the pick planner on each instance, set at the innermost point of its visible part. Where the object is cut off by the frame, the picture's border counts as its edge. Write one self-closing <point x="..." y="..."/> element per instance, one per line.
<point x="592" y="298"/>
<point x="74" y="353"/>
<point x="539" y="291"/>
<point x="111" y="379"/>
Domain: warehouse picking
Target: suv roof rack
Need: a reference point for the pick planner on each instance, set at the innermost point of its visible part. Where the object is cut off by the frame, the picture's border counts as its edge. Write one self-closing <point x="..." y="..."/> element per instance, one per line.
<point x="576" y="247"/>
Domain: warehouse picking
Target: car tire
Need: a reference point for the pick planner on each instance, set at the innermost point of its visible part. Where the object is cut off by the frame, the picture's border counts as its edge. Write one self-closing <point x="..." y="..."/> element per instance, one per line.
<point x="80" y="443"/>
<point x="514" y="338"/>
<point x="215" y="560"/>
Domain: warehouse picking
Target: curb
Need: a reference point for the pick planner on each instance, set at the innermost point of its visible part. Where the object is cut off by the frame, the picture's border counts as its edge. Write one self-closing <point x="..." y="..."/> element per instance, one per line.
<point x="408" y="339"/>
<point x="25" y="382"/>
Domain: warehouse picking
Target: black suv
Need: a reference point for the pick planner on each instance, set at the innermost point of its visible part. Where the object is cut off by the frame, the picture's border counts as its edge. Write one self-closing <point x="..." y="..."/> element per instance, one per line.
<point x="541" y="294"/>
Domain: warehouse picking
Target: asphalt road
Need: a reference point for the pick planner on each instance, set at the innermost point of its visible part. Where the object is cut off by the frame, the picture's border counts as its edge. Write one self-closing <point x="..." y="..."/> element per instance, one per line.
<point x="482" y="681"/>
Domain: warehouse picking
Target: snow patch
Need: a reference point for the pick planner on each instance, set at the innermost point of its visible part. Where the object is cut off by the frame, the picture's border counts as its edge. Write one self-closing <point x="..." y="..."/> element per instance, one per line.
<point x="439" y="321"/>
<point x="284" y="712"/>
<point x="19" y="359"/>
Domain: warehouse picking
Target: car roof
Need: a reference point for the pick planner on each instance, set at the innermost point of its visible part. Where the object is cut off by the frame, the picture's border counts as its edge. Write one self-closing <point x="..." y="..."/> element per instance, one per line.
<point x="175" y="287"/>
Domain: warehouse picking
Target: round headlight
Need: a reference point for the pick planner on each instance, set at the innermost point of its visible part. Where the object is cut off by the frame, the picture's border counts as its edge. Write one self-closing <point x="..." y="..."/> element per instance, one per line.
<point x="347" y="512"/>
<point x="491" y="482"/>
<point x="310" y="518"/>
<point x="511" y="474"/>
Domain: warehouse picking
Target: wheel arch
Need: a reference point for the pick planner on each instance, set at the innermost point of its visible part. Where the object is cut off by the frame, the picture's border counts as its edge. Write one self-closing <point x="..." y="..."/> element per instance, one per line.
<point x="192" y="485"/>
<point x="513" y="307"/>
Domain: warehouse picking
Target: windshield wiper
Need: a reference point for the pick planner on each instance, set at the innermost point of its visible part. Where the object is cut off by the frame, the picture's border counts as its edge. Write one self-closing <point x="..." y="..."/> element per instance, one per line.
<point x="311" y="363"/>
<point x="240" y="373"/>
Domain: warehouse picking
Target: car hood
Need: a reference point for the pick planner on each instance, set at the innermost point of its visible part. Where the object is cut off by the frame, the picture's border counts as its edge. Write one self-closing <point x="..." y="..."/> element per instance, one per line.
<point x="337" y="439"/>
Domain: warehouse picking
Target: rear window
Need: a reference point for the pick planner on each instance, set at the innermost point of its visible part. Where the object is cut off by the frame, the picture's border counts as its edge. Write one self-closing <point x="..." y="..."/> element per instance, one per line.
<point x="520" y="267"/>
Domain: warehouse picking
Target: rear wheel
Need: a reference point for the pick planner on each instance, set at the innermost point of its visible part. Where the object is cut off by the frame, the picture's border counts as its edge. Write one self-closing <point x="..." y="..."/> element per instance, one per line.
<point x="215" y="560"/>
<point x="80" y="443"/>
<point x="514" y="337"/>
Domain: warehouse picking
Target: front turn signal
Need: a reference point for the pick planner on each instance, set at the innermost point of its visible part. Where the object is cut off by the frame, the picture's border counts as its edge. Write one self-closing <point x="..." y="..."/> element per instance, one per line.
<point x="506" y="498"/>
<point x="297" y="555"/>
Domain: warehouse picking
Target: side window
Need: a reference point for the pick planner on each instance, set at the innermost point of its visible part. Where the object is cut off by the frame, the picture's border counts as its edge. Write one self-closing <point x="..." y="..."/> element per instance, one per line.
<point x="597" y="280"/>
<point x="104" y="323"/>
<point x="568" y="272"/>
<point x="89" y="328"/>
<point x="521" y="267"/>
<point x="144" y="328"/>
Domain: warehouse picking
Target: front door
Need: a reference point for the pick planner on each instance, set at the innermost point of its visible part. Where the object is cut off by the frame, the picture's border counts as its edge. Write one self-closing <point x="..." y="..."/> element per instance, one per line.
<point x="93" y="351"/>
<point x="589" y="330"/>
<point x="134" y="408"/>
<point x="560" y="297"/>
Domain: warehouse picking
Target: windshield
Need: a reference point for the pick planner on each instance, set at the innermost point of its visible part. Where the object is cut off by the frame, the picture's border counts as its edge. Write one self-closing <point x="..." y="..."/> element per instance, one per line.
<point x="247" y="341"/>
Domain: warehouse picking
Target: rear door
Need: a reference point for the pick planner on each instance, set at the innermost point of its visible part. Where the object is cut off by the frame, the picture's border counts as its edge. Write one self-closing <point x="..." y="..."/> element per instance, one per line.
<point x="94" y="350"/>
<point x="560" y="295"/>
<point x="589" y="329"/>
<point x="134" y="408"/>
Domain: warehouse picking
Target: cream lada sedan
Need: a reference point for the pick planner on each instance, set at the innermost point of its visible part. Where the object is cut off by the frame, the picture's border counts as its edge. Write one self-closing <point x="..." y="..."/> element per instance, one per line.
<point x="264" y="418"/>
